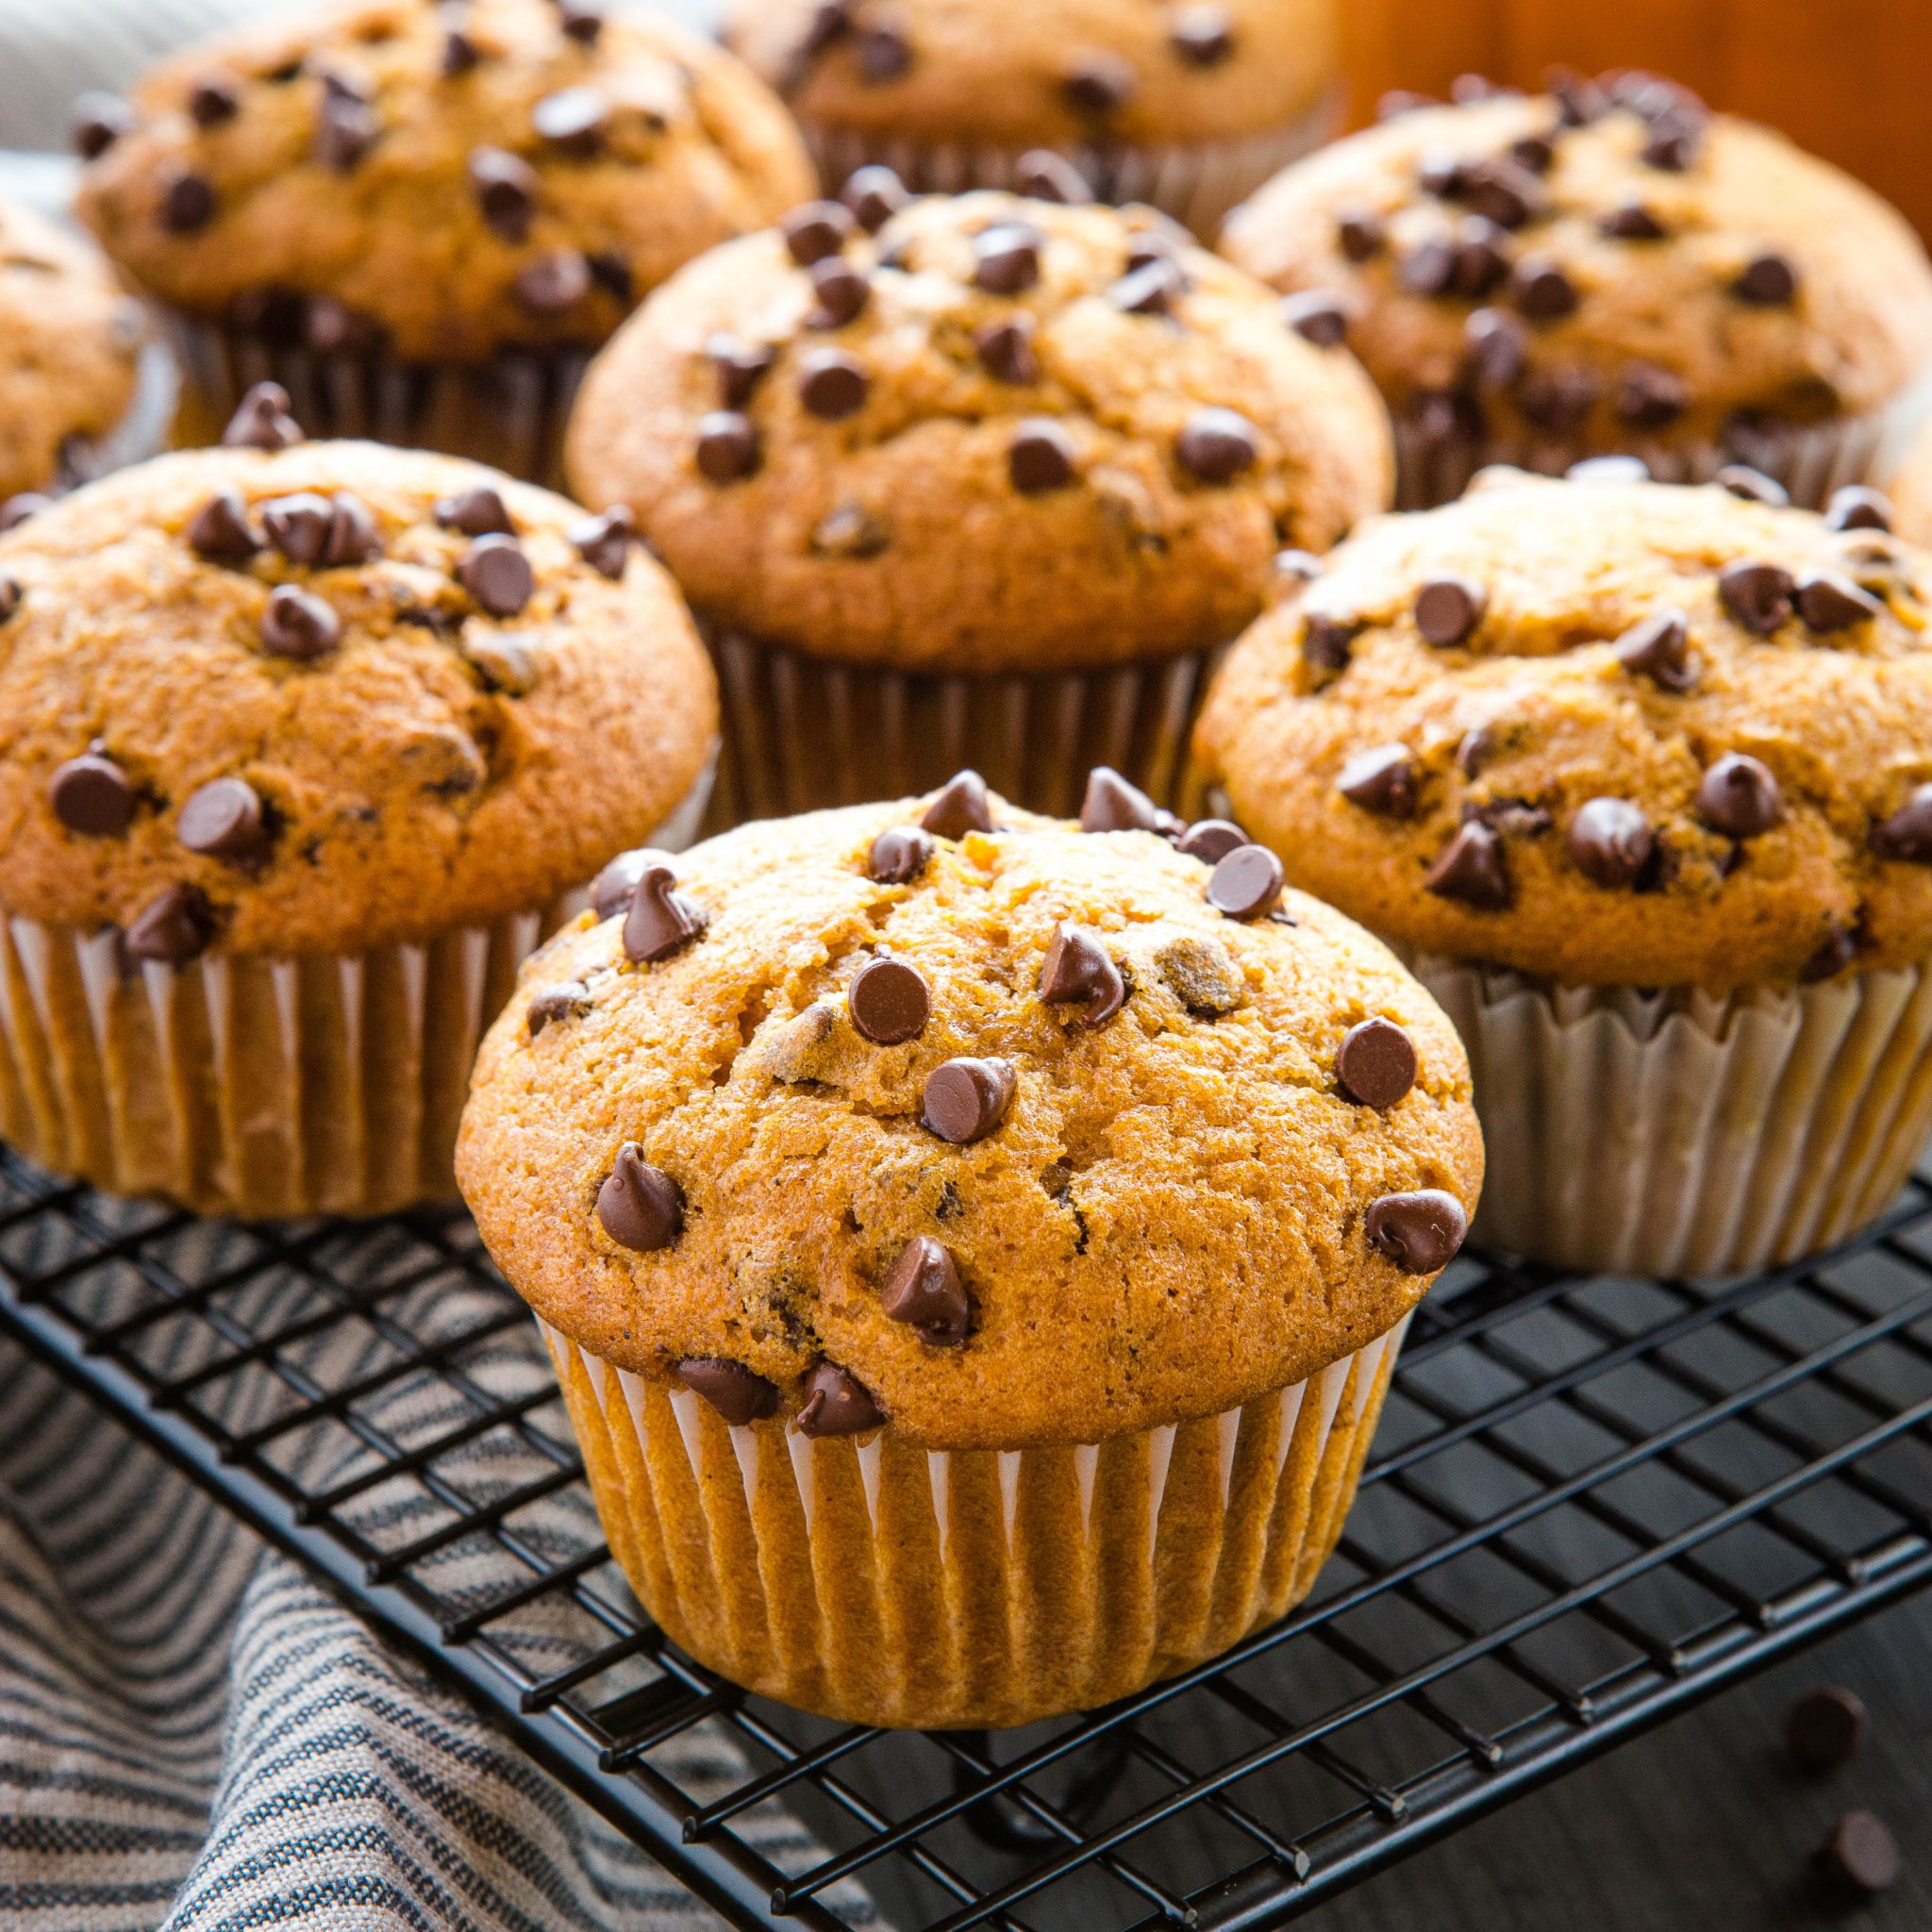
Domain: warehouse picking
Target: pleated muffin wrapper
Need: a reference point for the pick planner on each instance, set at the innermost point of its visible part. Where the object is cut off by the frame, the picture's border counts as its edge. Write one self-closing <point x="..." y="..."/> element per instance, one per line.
<point x="255" y="1087"/>
<point x="872" y="1580"/>
<point x="1678" y="1133"/>
<point x="1195" y="182"/>
<point x="143" y="431"/>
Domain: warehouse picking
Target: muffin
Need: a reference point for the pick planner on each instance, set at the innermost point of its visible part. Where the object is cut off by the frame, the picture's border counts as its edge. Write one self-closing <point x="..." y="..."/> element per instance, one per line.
<point x="1187" y="106"/>
<point x="302" y="745"/>
<point x="1533" y="281"/>
<point x="973" y="1251"/>
<point x="1905" y="503"/>
<point x="80" y="392"/>
<point x="970" y="478"/>
<point x="420" y="220"/>
<point x="1638" y="779"/>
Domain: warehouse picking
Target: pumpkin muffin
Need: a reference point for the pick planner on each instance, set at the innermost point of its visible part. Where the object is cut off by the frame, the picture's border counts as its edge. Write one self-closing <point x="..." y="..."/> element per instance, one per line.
<point x="302" y="746"/>
<point x="974" y="1248"/>
<point x="421" y="219"/>
<point x="1188" y="105"/>
<point x="1606" y="268"/>
<point x="1640" y="779"/>
<point x="976" y="476"/>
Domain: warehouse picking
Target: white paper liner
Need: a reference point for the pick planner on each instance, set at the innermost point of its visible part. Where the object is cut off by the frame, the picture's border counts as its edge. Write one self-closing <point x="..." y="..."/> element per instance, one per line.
<point x="1195" y="182"/>
<point x="1679" y="1134"/>
<point x="803" y="733"/>
<point x="878" y="1582"/>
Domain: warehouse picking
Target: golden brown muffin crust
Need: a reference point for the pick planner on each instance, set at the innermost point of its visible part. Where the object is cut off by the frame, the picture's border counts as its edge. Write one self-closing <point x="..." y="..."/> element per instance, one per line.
<point x="338" y="157"/>
<point x="905" y="532"/>
<point x="441" y="764"/>
<point x="1823" y="678"/>
<point x="1168" y="1220"/>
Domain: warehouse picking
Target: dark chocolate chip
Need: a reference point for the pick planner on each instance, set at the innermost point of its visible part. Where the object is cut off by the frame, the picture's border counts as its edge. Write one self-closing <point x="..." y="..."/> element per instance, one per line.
<point x="889" y="1001"/>
<point x="1041" y="175"/>
<point x="734" y="1390"/>
<point x="479" y="511"/>
<point x="1381" y="779"/>
<point x="613" y="889"/>
<point x="353" y="537"/>
<point x="661" y="921"/>
<point x="298" y="526"/>
<point x="555" y="280"/>
<point x="1860" y="1855"/>
<point x="1376" y="1063"/>
<point x="506" y="187"/>
<point x="960" y="806"/>
<point x="740" y="366"/>
<point x="1673" y="144"/>
<point x="99" y="121"/>
<point x="1360" y="235"/>
<point x="899" y="855"/>
<point x="1327" y="643"/>
<point x="297" y="624"/>
<point x="220" y="529"/>
<point x="1908" y="833"/>
<point x="1429" y="267"/>
<point x="580" y="22"/>
<point x="837" y="1404"/>
<point x="1658" y="648"/>
<point x="1471" y="867"/>
<point x="497" y="575"/>
<point x="604" y="542"/>
<point x="1579" y="100"/>
<point x="214" y="99"/>
<point x="1541" y="289"/>
<point x="843" y="292"/>
<point x="1113" y="804"/>
<point x="574" y="120"/>
<point x="1611" y="841"/>
<point x="1756" y="595"/>
<point x="1496" y="346"/>
<point x="965" y="1100"/>
<point x="1557" y="400"/>
<point x="1449" y="607"/>
<point x="1767" y="281"/>
<point x="1150" y="290"/>
<point x="1536" y="151"/>
<point x="1632" y="222"/>
<point x="262" y="420"/>
<point x="817" y="230"/>
<point x="1739" y="796"/>
<point x="461" y="52"/>
<point x="924" y="1291"/>
<point x="570" y="999"/>
<point x="1440" y="171"/>
<point x="727" y="446"/>
<point x="849" y="530"/>
<point x="1827" y="601"/>
<point x="90" y="794"/>
<point x="1752" y="486"/>
<point x="1006" y="350"/>
<point x="1007" y="258"/>
<point x="1838" y="950"/>
<point x="224" y="819"/>
<point x="640" y="1205"/>
<point x="875" y="194"/>
<point x="1420" y="1232"/>
<point x="1211" y="839"/>
<point x="1099" y="82"/>
<point x="1077" y="970"/>
<point x="1318" y="315"/>
<point x="1825" y="1727"/>
<point x="10" y="594"/>
<point x="176" y="927"/>
<point x="1647" y="397"/>
<point x="346" y="129"/>
<point x="1202" y="35"/>
<point x="1246" y="884"/>
<point x="1217" y="444"/>
<point x="187" y="202"/>
<point x="1041" y="456"/>
<point x="1502" y="191"/>
<point x="1482" y="258"/>
<point x="884" y="53"/>
<point x="1856" y="508"/>
<point x="832" y="385"/>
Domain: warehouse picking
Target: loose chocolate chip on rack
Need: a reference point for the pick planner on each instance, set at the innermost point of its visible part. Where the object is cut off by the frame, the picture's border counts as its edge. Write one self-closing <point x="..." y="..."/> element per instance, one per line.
<point x="1203" y="35"/>
<point x="1860" y="1853"/>
<point x="961" y="807"/>
<point x="965" y="1100"/>
<point x="187" y="202"/>
<point x="1767" y="281"/>
<point x="1361" y="236"/>
<point x="661" y="921"/>
<point x="1825" y="1727"/>
<point x="262" y="420"/>
<point x="1470" y="869"/>
<point x="1099" y="82"/>
<point x="640" y="1205"/>
<point x="842" y="290"/>
<point x="614" y="888"/>
<point x="1211" y="839"/>
<point x="1632" y="222"/>
<point x="1006" y="350"/>
<point x="1007" y="258"/>
<point x="1149" y="290"/>
<point x="1318" y="316"/>
<point x="1113" y="804"/>
<point x="1752" y="486"/>
<point x="556" y="280"/>
<point x="832" y="385"/>
<point x="297" y="624"/>
<point x="1856" y="508"/>
<point x="570" y="999"/>
<point x="924" y="1291"/>
<point x="1376" y="1062"/>
<point x="884" y="53"/>
<point x="1828" y="601"/>
<point x="1756" y="595"/>
<point x="1611" y="841"/>
<point x="1077" y="970"/>
<point x="1496" y="347"/>
<point x="1541" y="289"/>
<point x="1420" y="1232"/>
<point x="1449" y="607"/>
<point x="174" y="927"/>
<point x="497" y="575"/>
<point x="890" y="1001"/>
<point x="224" y="819"/>
<point x="1217" y="444"/>
<point x="346" y="129"/>
<point x="1041" y="456"/>
<point x="1659" y="649"/>
<point x="574" y="120"/>
<point x="99" y="121"/>
<point x="1739" y="796"/>
<point x="506" y="187"/>
<point x="220" y="530"/>
<point x="898" y="855"/>
<point x="1381" y="779"/>
<point x="214" y="99"/>
<point x="728" y="447"/>
<point x="817" y="230"/>
<point x="90" y="794"/>
<point x="875" y="194"/>
<point x="1647" y="397"/>
<point x="1908" y="833"/>
<point x="1041" y="175"/>
<point x="604" y="542"/>
<point x="837" y="1404"/>
<point x="738" y="1394"/>
<point x="1246" y="884"/>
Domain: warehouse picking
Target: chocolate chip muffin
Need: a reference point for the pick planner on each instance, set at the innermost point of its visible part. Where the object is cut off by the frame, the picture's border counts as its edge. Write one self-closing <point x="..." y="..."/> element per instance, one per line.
<point x="1188" y="105"/>
<point x="1640" y="778"/>
<point x="1606" y="268"/>
<point x="420" y="219"/>
<point x="974" y="1246"/>
<point x="1905" y="503"/>
<point x="979" y="474"/>
<point x="301" y="746"/>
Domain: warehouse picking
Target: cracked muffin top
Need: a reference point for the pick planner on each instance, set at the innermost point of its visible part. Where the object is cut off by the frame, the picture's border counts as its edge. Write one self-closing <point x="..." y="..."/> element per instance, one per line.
<point x="1611" y="732"/>
<point x="1066" y="71"/>
<point x="975" y="433"/>
<point x="440" y="181"/>
<point x="1603" y="268"/>
<point x="941" y="1115"/>
<point x="70" y="346"/>
<point x="323" y="696"/>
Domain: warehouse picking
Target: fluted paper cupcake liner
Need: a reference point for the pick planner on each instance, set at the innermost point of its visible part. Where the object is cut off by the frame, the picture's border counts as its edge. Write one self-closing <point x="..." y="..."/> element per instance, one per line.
<point x="142" y="430"/>
<point x="878" y="1582"/>
<point x="1676" y="1133"/>
<point x="1195" y="182"/>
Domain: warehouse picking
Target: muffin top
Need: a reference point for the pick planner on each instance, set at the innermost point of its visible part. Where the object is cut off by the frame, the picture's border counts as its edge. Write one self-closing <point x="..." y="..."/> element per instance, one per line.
<point x="440" y="181"/>
<point x="329" y="696"/>
<point x="70" y="343"/>
<point x="1061" y="71"/>
<point x="941" y="1114"/>
<point x="994" y="434"/>
<point x="1600" y="267"/>
<point x="1611" y="732"/>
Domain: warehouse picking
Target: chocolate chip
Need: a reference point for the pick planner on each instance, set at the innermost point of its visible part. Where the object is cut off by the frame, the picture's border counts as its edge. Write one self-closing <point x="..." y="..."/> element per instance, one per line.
<point x="262" y="420"/>
<point x="506" y="187"/>
<point x="99" y="121"/>
<point x="353" y="537"/>
<point x="220" y="530"/>
<point x="1611" y="841"/>
<point x="1579" y="101"/>
<point x="899" y="855"/>
<point x="604" y="542"/>
<point x="1825" y="1727"/>
<point x="661" y="921"/>
<point x="1381" y="779"/>
<point x="734" y="1390"/>
<point x="1830" y="602"/>
<point x="1318" y="315"/>
<point x="830" y="21"/>
<point x="1327" y="643"/>
<point x="1246" y="884"/>
<point x="843" y="292"/>
<point x="875" y="194"/>
<point x="1428" y="268"/>
<point x="640" y="1205"/>
<point x="1471" y="867"/>
<point x="924" y="1290"/>
<point x="817" y="230"/>
<point x="1007" y="258"/>
<point x="497" y="575"/>
<point x="1217" y="444"/>
<point x="1541" y="289"/>
<point x="1658" y="648"/>
<point x="1113" y="804"/>
<point x="832" y="385"/>
<point x="298" y="526"/>
<point x="1501" y="191"/>
<point x="1856" y="508"/>
<point x="580" y="23"/>
<point x="1449" y="607"/>
<point x="214" y="99"/>
<point x="1211" y="839"/>
<point x="1440" y="171"/>
<point x="459" y="52"/>
<point x="1041" y="456"/>
<point x="740" y="366"/>
<point x="1360" y="235"/>
<point x="614" y="888"/>
<point x="1376" y="1063"/>
<point x="1739" y="796"/>
<point x="1203" y="35"/>
<point x="224" y="819"/>
<point x="1557" y="400"/>
<point x="1860" y="1853"/>
<point x="555" y="280"/>
<point x="1647" y="397"/>
<point x="890" y="1001"/>
<point x="1752" y="486"/>
<point x="174" y="927"/>
<point x="90" y="794"/>
<point x="478" y="511"/>
<point x="961" y="807"/>
<point x="298" y="624"/>
<point x="1099" y="82"/>
<point x="965" y="1100"/>
<point x="1482" y="258"/>
<point x="1496" y="346"/>
<point x="1767" y="281"/>
<point x="1620" y="467"/>
<point x="1077" y="970"/>
<point x="10" y="594"/>
<point x="1006" y="350"/>
<point x="1041" y="175"/>
<point x="1673" y="144"/>
<point x="1149" y="290"/>
<point x="1536" y="151"/>
<point x="187" y="202"/>
<point x="1838" y="949"/>
<point x="728" y="447"/>
<point x="837" y="1404"/>
<point x="1908" y="833"/>
<point x="574" y="120"/>
<point x="346" y="129"/>
<point x="568" y="1000"/>
<point x="1756" y="595"/>
<point x="884" y="53"/>
<point x="1420" y="1232"/>
<point x="1632" y="222"/>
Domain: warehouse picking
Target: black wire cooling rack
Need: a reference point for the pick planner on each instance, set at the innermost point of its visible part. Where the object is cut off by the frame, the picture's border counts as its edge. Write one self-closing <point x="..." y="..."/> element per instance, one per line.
<point x="1590" y="1502"/>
